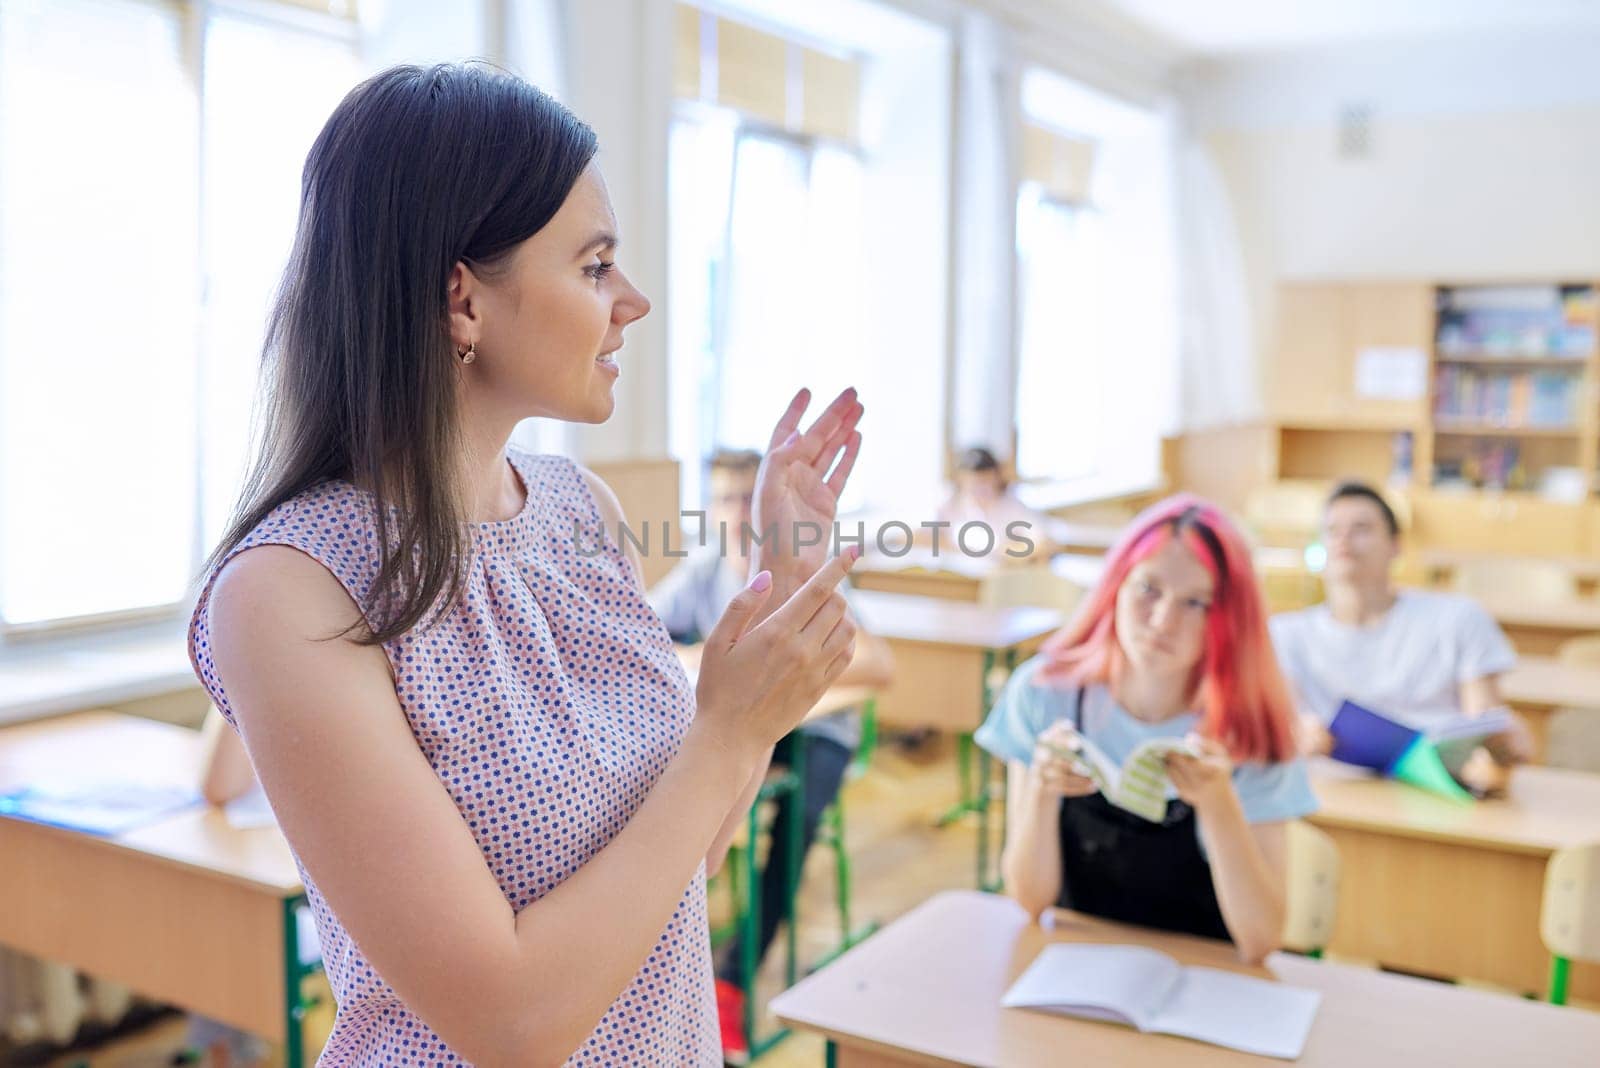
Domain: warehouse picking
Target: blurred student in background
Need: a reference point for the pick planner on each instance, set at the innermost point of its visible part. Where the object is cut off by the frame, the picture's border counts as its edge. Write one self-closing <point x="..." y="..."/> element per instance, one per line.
<point x="690" y="600"/>
<point x="1417" y="656"/>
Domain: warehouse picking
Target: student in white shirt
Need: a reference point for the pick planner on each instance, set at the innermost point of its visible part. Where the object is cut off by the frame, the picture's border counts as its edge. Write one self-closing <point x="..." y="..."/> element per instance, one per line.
<point x="1417" y="656"/>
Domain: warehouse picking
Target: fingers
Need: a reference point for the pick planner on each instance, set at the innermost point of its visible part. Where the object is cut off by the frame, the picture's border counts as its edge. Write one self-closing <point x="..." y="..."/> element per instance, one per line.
<point x="827" y="617"/>
<point x="841" y="636"/>
<point x="797" y="612"/>
<point x="833" y="425"/>
<point x="741" y="612"/>
<point x="789" y="421"/>
<point x="841" y="472"/>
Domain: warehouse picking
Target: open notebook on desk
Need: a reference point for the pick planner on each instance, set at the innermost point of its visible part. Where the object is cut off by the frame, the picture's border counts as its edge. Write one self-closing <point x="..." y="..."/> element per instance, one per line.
<point x="96" y="807"/>
<point x="1150" y="991"/>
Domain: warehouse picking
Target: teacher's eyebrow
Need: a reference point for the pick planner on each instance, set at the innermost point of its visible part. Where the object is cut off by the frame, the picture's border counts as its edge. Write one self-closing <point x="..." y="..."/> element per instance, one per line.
<point x="603" y="241"/>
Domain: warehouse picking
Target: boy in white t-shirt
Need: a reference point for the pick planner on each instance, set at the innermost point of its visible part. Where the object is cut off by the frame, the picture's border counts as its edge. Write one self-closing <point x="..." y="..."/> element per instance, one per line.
<point x="1417" y="656"/>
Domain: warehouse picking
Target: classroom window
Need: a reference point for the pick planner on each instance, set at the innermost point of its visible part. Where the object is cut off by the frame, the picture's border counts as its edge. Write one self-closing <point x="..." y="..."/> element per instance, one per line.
<point x="766" y="196"/>
<point x="142" y="229"/>
<point x="1062" y="343"/>
<point x="1097" y="308"/>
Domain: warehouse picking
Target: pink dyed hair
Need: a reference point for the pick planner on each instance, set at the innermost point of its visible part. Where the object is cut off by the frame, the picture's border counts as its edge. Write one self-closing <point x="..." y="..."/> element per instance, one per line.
<point x="1240" y="692"/>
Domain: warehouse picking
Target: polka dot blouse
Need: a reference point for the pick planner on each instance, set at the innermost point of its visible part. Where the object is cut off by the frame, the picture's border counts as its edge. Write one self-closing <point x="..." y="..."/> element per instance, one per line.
<point x="548" y="701"/>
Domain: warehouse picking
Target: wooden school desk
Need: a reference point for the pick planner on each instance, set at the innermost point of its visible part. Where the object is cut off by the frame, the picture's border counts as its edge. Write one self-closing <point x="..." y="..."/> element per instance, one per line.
<point x="1537" y="628"/>
<point x="189" y="910"/>
<point x="1540" y="685"/>
<point x="926" y="991"/>
<point x="1451" y="889"/>
<point x="950" y="662"/>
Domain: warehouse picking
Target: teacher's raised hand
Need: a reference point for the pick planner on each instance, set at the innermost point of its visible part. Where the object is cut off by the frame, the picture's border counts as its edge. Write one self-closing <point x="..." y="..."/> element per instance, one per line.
<point x="798" y="489"/>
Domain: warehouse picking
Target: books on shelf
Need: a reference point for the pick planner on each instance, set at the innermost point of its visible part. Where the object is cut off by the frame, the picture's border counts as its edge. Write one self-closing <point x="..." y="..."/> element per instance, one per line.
<point x="1542" y="322"/>
<point x="1532" y="399"/>
<point x="1144" y="988"/>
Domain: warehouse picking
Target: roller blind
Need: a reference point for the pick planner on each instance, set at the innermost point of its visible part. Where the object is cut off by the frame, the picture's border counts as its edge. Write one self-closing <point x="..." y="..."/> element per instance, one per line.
<point x="784" y="83"/>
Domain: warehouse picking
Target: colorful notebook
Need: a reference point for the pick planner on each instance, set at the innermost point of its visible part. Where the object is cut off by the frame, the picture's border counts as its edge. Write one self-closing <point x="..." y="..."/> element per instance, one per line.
<point x="1428" y="759"/>
<point x="1149" y="990"/>
<point x="1140" y="785"/>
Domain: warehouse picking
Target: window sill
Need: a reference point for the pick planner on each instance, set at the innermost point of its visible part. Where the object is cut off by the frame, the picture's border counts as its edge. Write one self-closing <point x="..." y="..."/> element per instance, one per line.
<point x="1050" y="496"/>
<point x="50" y="676"/>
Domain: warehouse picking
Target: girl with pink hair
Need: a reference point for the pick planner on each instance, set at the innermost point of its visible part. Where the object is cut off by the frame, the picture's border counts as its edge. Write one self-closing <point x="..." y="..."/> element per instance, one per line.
<point x="1172" y="644"/>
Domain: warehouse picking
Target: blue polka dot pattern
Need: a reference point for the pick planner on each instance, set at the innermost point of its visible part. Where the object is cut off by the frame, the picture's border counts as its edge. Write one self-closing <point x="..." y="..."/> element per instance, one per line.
<point x="548" y="701"/>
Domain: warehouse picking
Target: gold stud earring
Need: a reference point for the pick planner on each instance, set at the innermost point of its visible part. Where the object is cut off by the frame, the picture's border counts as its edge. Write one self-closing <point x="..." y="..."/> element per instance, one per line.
<point x="471" y="353"/>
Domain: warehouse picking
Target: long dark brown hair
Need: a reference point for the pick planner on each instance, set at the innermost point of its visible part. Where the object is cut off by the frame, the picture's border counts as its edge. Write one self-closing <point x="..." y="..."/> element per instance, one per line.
<point x="418" y="169"/>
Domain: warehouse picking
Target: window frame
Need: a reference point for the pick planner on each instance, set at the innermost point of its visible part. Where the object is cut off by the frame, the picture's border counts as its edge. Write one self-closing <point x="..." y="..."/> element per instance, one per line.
<point x="193" y="19"/>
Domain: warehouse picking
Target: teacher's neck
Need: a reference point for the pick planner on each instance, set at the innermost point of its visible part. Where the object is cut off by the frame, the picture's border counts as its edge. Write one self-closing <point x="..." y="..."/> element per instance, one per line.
<point x="490" y="490"/>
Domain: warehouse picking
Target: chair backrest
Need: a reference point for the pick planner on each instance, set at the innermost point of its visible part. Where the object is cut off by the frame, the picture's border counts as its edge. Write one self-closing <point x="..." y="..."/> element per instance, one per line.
<point x="1031" y="586"/>
<point x="1572" y="740"/>
<point x="1569" y="922"/>
<point x="1286" y="512"/>
<point x="1313" y="891"/>
<point x="1528" y="580"/>
<point x="1581" y="652"/>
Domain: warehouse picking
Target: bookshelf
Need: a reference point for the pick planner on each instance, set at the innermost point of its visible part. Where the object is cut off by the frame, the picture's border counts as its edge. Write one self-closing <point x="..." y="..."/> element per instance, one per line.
<point x="1491" y="436"/>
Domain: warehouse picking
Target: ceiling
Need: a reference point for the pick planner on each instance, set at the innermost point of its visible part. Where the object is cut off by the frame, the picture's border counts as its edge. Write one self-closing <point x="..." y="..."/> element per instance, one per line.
<point x="1219" y="27"/>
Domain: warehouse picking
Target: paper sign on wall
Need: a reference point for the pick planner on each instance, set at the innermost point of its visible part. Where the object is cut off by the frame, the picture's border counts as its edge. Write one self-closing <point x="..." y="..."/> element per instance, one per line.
<point x="1392" y="373"/>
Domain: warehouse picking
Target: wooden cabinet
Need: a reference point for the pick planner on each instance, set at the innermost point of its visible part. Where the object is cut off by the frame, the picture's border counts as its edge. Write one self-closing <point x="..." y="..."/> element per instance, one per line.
<point x="1512" y="524"/>
<point x="1322" y="329"/>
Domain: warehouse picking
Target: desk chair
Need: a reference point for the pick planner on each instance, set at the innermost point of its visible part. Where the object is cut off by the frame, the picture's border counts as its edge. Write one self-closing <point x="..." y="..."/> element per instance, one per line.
<point x="743" y="876"/>
<point x="1569" y="922"/>
<point x="1287" y="512"/>
<point x="1032" y="586"/>
<point x="1529" y="580"/>
<point x="832" y="835"/>
<point x="1573" y="739"/>
<point x="1313" y="891"/>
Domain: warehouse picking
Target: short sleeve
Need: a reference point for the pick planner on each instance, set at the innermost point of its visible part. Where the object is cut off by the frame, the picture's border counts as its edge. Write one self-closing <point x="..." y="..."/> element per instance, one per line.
<point x="1272" y="792"/>
<point x="1484" y="649"/>
<point x="1022" y="712"/>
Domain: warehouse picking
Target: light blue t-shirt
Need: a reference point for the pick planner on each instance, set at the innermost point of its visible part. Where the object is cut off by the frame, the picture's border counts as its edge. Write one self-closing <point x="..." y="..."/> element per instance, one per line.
<point x="1267" y="792"/>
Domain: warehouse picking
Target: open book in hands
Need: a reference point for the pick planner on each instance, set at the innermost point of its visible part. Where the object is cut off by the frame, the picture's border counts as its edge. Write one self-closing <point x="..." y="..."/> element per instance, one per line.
<point x="1150" y="991"/>
<point x="1140" y="785"/>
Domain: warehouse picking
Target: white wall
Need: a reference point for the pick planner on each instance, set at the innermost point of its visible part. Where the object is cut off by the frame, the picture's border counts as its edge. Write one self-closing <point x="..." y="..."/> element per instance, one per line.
<point x="1484" y="163"/>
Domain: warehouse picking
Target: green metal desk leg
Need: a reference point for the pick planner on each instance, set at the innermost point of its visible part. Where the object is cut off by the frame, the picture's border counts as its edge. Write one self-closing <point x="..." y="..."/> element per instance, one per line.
<point x="1559" y="969"/>
<point x="294" y="973"/>
<point x="750" y="922"/>
<point x="985" y="881"/>
<point x="971" y="801"/>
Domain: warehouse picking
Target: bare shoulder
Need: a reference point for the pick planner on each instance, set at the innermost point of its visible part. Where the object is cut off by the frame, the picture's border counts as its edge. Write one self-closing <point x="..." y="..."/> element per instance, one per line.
<point x="611" y="517"/>
<point x="273" y="611"/>
<point x="604" y="497"/>
<point x="267" y="586"/>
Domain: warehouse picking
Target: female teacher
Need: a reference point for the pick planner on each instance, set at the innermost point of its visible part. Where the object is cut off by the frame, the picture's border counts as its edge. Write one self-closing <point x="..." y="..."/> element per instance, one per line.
<point x="501" y="791"/>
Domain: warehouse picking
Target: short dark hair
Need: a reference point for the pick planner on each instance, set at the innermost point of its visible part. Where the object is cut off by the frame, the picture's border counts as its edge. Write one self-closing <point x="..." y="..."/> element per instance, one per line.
<point x="736" y="461"/>
<point x="977" y="458"/>
<point x="1364" y="492"/>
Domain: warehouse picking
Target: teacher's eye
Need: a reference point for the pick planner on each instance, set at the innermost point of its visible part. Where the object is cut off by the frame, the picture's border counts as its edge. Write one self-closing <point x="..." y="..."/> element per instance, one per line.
<point x="598" y="271"/>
